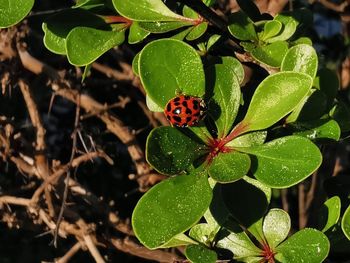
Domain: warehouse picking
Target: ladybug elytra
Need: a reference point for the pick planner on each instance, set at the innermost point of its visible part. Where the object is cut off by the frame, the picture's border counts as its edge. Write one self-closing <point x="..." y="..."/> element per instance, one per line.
<point x="184" y="110"/>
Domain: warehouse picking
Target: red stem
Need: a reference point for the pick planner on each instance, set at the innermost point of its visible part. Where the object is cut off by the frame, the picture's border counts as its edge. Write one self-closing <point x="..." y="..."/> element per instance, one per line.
<point x="117" y="19"/>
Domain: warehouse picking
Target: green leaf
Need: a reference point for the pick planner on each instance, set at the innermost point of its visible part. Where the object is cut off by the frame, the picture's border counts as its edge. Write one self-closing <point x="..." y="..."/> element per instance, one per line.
<point x="318" y="129"/>
<point x="288" y="29"/>
<point x="57" y="27"/>
<point x="13" y="11"/>
<point x="178" y="240"/>
<point x="271" y="54"/>
<point x="241" y="27"/>
<point x="284" y="162"/>
<point x="229" y="167"/>
<point x="307" y="245"/>
<point x="181" y="35"/>
<point x="152" y="106"/>
<point x="212" y="40"/>
<point x="136" y="33"/>
<point x="86" y="72"/>
<point x="89" y="4"/>
<point x="233" y="238"/>
<point x="197" y="31"/>
<point x="84" y="45"/>
<point x="345" y="223"/>
<point x="329" y="213"/>
<point x="146" y="10"/>
<point x="341" y="113"/>
<point x="170" y="208"/>
<point x="234" y="65"/>
<point x="224" y="103"/>
<point x="163" y="27"/>
<point x="271" y="29"/>
<point x="203" y="233"/>
<point x="276" y="227"/>
<point x="249" y="139"/>
<point x="247" y="200"/>
<point x="275" y="97"/>
<point x="135" y="64"/>
<point x="301" y="58"/>
<point x="170" y="151"/>
<point x="169" y="66"/>
<point x="200" y="254"/>
<point x="248" y="46"/>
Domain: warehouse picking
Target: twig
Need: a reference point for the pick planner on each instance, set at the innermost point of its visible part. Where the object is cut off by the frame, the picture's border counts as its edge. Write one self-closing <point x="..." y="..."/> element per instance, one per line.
<point x="128" y="246"/>
<point x="93" y="249"/>
<point x="66" y="188"/>
<point x="40" y="146"/>
<point x="13" y="200"/>
<point x="71" y="252"/>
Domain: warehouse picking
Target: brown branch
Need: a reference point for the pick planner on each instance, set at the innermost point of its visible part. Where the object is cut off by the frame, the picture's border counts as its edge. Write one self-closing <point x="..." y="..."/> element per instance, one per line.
<point x="127" y="245"/>
<point x="41" y="163"/>
<point x="71" y="252"/>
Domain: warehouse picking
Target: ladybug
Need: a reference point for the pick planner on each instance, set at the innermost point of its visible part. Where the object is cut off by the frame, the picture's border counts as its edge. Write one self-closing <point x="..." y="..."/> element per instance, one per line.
<point x="184" y="110"/>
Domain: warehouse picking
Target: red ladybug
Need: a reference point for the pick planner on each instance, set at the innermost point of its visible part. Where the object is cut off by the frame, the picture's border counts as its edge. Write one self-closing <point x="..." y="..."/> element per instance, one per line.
<point x="183" y="110"/>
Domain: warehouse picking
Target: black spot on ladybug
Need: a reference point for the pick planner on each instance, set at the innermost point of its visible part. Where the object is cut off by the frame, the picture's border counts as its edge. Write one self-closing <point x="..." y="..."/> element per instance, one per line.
<point x="177" y="119"/>
<point x="177" y="103"/>
<point x="184" y="103"/>
<point x="188" y="111"/>
<point x="168" y="117"/>
<point x="168" y="107"/>
<point x="177" y="99"/>
<point x="187" y="97"/>
<point x="188" y="119"/>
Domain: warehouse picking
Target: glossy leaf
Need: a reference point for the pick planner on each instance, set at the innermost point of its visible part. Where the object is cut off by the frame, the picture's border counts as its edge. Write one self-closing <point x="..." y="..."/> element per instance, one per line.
<point x="170" y="208"/>
<point x="271" y="28"/>
<point x="200" y="254"/>
<point x="276" y="227"/>
<point x="288" y="29"/>
<point x="233" y="238"/>
<point x="57" y="27"/>
<point x="224" y="103"/>
<point x="135" y="64"/>
<point x="179" y="240"/>
<point x="170" y="151"/>
<point x="329" y="213"/>
<point x="318" y="129"/>
<point x="241" y="27"/>
<point x="234" y="65"/>
<point x="271" y="54"/>
<point x="285" y="161"/>
<point x="249" y="139"/>
<point x="203" y="233"/>
<point x="307" y="244"/>
<point x="163" y="27"/>
<point x="84" y="45"/>
<point x="197" y="31"/>
<point x="212" y="40"/>
<point x="152" y="106"/>
<point x="145" y="10"/>
<point x="345" y="223"/>
<point x="229" y="167"/>
<point x="181" y="35"/>
<point x="169" y="66"/>
<point x="276" y="96"/>
<point x="247" y="200"/>
<point x="13" y="11"/>
<point x="136" y="33"/>
<point x="301" y="58"/>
